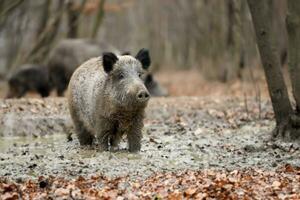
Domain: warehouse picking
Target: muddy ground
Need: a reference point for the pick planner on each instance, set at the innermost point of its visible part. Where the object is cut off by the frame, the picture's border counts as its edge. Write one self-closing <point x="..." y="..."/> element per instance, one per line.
<point x="180" y="133"/>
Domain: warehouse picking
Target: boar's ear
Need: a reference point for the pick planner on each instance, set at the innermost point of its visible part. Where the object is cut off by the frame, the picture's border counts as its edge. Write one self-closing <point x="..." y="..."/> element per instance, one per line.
<point x="144" y="57"/>
<point x="109" y="59"/>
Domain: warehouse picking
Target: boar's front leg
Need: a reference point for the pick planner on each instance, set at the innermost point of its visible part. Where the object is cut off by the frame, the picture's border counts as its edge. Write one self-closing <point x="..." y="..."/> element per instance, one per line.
<point x="115" y="140"/>
<point x="134" y="135"/>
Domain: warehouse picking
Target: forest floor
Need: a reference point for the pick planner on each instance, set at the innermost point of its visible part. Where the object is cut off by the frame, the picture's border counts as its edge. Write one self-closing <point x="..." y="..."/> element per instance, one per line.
<point x="212" y="138"/>
<point x="193" y="147"/>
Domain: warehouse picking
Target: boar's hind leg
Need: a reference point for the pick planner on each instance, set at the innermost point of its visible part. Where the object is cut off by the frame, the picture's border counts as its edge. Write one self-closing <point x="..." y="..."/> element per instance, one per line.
<point x="60" y="82"/>
<point x="61" y="87"/>
<point x="21" y="92"/>
<point x="44" y="91"/>
<point x="134" y="137"/>
<point x="115" y="139"/>
<point x="84" y="136"/>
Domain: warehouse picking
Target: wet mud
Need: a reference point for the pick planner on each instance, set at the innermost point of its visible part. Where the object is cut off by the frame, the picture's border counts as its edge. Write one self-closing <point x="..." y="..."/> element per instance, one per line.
<point x="180" y="133"/>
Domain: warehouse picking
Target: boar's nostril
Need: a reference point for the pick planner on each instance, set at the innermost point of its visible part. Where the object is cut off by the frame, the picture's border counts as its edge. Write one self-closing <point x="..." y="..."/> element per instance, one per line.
<point x="143" y="96"/>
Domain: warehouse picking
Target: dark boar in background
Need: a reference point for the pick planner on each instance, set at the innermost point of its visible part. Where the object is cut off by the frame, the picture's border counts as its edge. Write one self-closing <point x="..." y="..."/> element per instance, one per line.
<point x="71" y="53"/>
<point x="65" y="57"/>
<point x="29" y="77"/>
<point x="154" y="88"/>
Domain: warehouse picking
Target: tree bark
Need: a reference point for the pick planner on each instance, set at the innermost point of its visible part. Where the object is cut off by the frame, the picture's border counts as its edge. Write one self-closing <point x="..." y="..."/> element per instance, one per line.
<point x="234" y="40"/>
<point x="260" y="13"/>
<point x="98" y="19"/>
<point x="44" y="17"/>
<point x="293" y="27"/>
<point x="73" y="18"/>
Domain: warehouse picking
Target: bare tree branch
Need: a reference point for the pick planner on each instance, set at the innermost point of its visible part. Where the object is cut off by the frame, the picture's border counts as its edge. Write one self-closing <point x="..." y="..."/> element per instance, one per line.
<point x="43" y="45"/>
<point x="8" y="10"/>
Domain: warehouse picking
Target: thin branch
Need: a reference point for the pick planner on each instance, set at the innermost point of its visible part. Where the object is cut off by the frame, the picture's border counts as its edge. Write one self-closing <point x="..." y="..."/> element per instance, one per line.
<point x="44" y="42"/>
<point x="14" y="5"/>
<point x="8" y="10"/>
<point x="246" y="104"/>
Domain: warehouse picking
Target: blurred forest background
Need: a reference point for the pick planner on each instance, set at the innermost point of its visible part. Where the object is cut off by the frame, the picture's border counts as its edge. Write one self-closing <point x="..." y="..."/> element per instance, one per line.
<point x="213" y="37"/>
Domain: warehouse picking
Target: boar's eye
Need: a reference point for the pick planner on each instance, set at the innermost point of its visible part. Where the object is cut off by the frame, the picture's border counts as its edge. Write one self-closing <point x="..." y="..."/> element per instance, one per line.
<point x="140" y="74"/>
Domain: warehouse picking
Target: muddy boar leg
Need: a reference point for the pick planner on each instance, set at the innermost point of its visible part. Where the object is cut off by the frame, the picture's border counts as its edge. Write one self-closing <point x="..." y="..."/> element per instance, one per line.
<point x="61" y="87"/>
<point x="11" y="92"/>
<point x="115" y="140"/>
<point x="44" y="92"/>
<point x="105" y="130"/>
<point x="21" y="92"/>
<point x="59" y="82"/>
<point x="84" y="136"/>
<point x="134" y="136"/>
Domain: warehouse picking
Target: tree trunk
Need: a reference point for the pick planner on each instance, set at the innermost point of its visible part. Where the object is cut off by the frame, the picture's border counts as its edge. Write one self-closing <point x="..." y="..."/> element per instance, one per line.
<point x="73" y="18"/>
<point x="98" y="19"/>
<point x="230" y="15"/>
<point x="287" y="120"/>
<point x="260" y="13"/>
<point x="279" y="28"/>
<point x="44" y="18"/>
<point x="234" y="40"/>
<point x="293" y="27"/>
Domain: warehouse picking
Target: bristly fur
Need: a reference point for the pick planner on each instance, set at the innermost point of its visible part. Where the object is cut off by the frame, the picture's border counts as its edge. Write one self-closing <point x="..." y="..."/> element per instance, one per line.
<point x="106" y="105"/>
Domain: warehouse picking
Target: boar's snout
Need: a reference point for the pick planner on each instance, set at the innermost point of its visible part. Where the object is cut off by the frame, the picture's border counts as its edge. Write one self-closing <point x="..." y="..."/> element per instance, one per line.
<point x="143" y="96"/>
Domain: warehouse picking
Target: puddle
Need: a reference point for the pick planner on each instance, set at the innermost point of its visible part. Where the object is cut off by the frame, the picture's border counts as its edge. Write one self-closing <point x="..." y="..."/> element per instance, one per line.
<point x="35" y="144"/>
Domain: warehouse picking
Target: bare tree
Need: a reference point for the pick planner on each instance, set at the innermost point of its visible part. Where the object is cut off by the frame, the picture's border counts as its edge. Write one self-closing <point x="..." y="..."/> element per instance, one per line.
<point x="287" y="120"/>
<point x="194" y="37"/>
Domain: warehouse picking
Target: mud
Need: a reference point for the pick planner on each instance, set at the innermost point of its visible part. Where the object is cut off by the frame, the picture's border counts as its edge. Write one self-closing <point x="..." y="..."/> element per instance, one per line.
<point x="180" y="133"/>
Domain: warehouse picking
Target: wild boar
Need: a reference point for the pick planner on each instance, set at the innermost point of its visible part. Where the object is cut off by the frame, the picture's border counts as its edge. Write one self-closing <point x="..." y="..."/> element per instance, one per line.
<point x="107" y="98"/>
